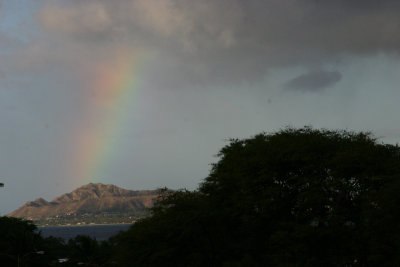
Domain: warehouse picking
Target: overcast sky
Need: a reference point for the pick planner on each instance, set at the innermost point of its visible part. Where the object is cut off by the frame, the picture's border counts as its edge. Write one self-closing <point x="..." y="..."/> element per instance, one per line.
<point x="143" y="93"/>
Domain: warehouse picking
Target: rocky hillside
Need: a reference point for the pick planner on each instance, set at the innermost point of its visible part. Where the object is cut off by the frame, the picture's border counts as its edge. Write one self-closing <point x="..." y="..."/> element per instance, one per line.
<point x="88" y="200"/>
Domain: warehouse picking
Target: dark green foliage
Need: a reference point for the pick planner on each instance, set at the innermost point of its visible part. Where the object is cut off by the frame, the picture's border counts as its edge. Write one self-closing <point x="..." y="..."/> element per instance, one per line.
<point x="20" y="244"/>
<point x="86" y="251"/>
<point x="299" y="197"/>
<point x="179" y="229"/>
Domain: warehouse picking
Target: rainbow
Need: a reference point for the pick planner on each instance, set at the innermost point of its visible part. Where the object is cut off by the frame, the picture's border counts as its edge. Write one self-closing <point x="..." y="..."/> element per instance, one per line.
<point x="112" y="90"/>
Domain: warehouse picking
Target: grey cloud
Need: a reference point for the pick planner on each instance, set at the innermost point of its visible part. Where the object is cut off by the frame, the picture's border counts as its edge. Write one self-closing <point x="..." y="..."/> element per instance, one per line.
<point x="228" y="40"/>
<point x="314" y="81"/>
<point x="89" y="20"/>
<point x="2" y="75"/>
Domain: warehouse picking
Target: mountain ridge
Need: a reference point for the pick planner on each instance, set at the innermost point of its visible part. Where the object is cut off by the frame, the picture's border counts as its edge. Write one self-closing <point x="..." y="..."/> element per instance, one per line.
<point x="87" y="201"/>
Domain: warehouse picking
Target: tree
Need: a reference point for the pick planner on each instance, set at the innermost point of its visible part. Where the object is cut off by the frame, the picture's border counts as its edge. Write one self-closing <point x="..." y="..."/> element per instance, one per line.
<point x="86" y="251"/>
<point x="20" y="244"/>
<point x="298" y="197"/>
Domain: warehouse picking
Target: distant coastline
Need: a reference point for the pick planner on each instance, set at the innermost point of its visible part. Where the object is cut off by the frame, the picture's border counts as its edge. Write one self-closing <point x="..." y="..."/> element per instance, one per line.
<point x="81" y="225"/>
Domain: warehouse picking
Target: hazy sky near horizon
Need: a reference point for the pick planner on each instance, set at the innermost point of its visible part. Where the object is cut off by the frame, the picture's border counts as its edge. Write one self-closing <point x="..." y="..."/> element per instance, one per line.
<point x="143" y="93"/>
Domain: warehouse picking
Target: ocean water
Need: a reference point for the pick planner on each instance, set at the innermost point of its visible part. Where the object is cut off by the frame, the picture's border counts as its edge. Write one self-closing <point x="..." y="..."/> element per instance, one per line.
<point x="100" y="232"/>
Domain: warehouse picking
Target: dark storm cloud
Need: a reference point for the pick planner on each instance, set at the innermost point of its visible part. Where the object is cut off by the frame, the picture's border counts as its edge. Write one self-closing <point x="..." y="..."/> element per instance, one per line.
<point x="229" y="40"/>
<point x="314" y="81"/>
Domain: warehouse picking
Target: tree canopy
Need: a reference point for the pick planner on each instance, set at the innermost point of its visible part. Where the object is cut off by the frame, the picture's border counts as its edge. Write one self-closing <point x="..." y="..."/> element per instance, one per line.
<point x="297" y="197"/>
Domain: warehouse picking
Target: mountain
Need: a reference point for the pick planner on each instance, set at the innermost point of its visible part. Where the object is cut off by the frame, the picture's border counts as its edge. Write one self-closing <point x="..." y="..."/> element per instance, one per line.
<point x="91" y="203"/>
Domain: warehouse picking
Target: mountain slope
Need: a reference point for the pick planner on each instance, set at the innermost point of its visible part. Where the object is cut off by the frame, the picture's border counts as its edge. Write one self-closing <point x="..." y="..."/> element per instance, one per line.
<point x="89" y="199"/>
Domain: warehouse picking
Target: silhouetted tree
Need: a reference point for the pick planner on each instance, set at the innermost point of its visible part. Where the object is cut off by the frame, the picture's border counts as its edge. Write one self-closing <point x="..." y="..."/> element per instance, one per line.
<point x="86" y="251"/>
<point x="20" y="243"/>
<point x="298" y="197"/>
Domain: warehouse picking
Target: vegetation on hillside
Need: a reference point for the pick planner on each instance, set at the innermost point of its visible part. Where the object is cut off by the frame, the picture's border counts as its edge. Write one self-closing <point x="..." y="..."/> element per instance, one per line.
<point x="298" y="197"/>
<point x="92" y="218"/>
